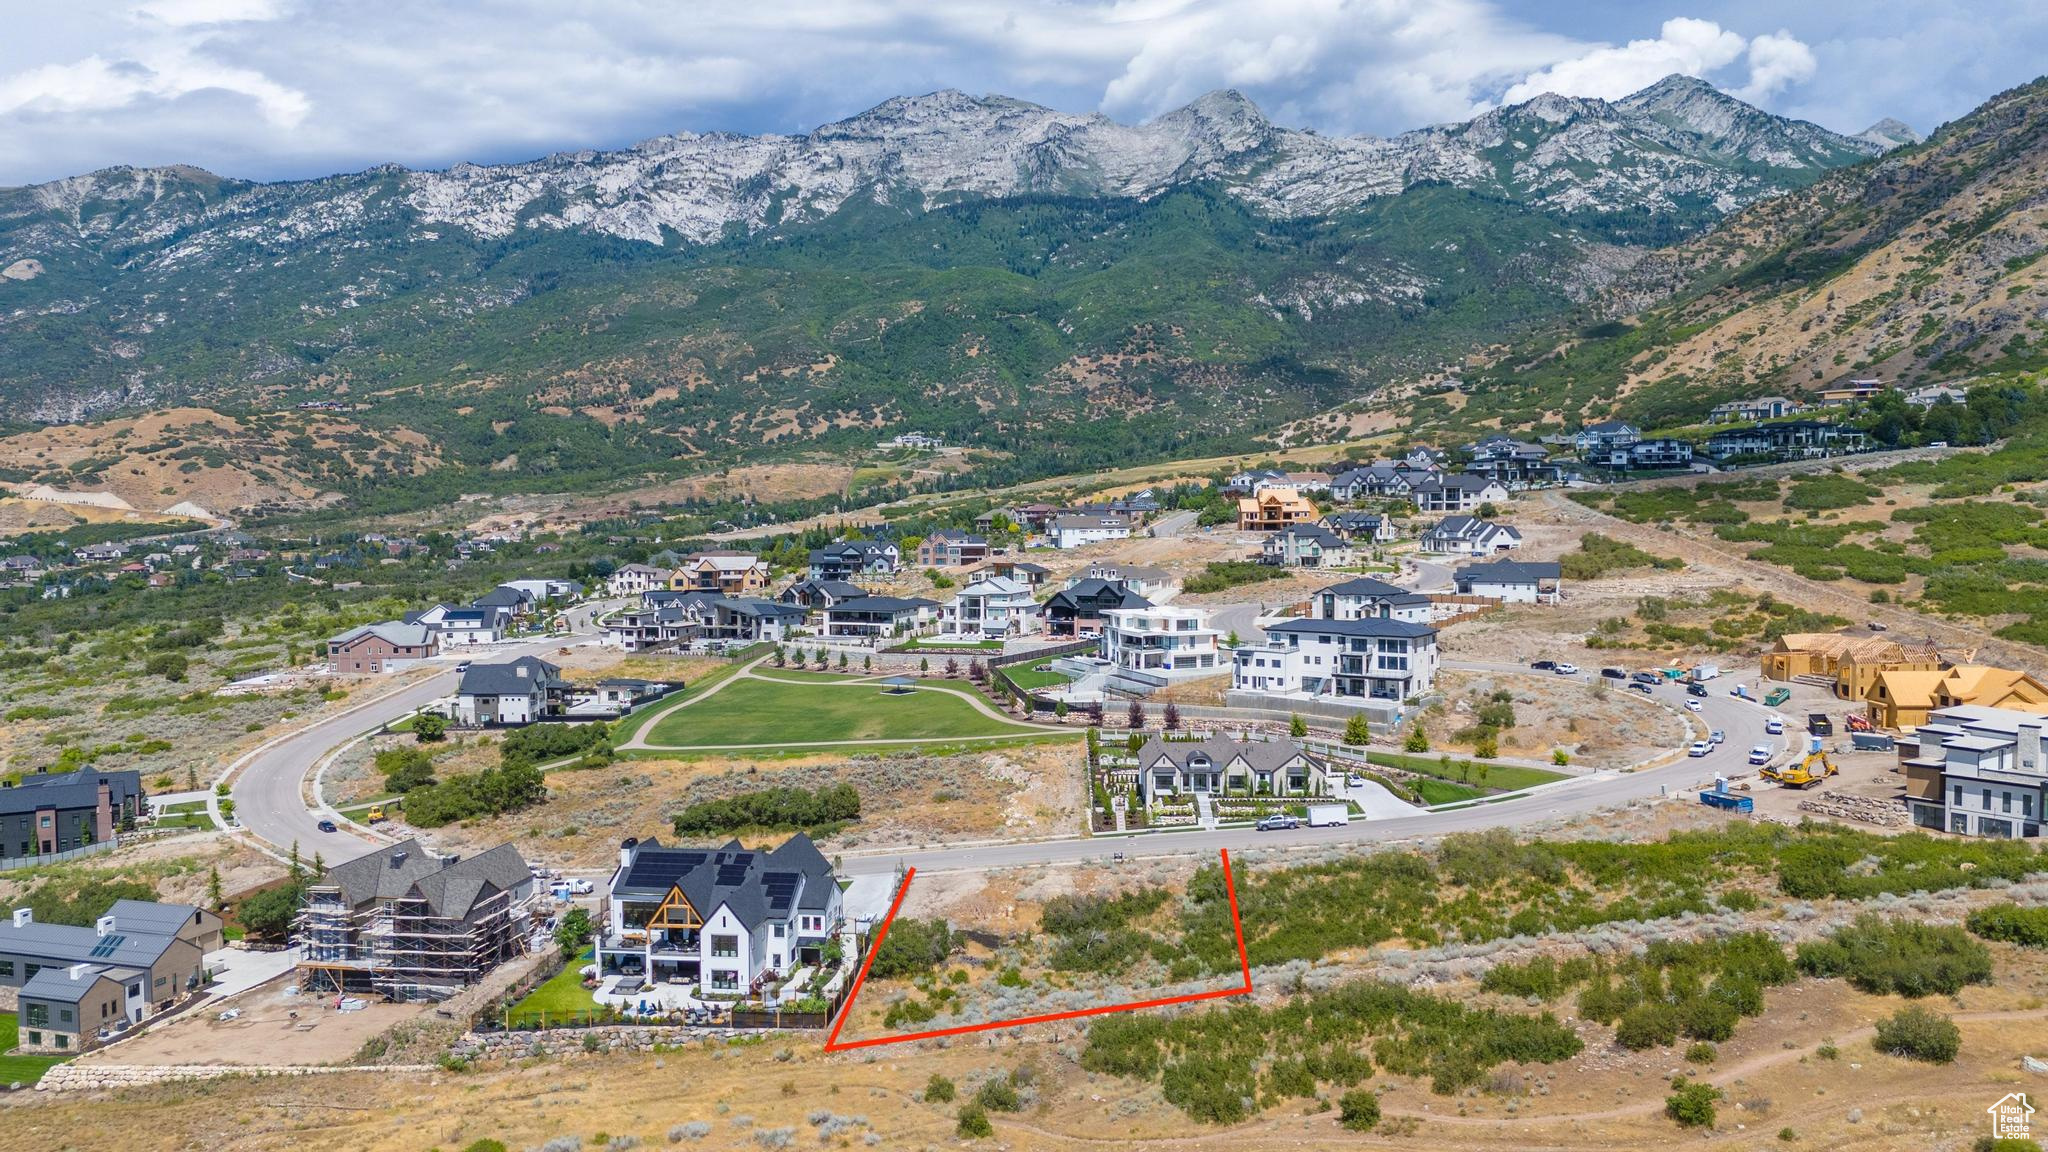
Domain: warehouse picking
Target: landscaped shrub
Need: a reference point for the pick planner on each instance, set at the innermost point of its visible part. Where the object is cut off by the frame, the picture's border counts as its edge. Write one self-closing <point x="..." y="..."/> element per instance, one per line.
<point x="1919" y="1033"/>
<point x="773" y="809"/>
<point x="1903" y="957"/>
<point x="2012" y="924"/>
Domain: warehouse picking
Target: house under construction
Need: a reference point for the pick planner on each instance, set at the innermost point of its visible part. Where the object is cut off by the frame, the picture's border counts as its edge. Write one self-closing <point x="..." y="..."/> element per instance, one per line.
<point x="409" y="925"/>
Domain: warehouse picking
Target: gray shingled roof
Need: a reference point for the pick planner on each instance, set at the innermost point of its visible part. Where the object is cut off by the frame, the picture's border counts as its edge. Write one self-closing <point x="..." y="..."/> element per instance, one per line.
<point x="75" y="789"/>
<point x="521" y="677"/>
<point x="1512" y="571"/>
<point x="745" y="881"/>
<point x="1262" y="755"/>
<point x="450" y="890"/>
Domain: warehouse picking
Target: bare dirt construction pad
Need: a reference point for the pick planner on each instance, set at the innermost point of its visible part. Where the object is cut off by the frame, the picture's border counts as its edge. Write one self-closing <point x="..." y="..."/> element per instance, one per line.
<point x="834" y="1044"/>
<point x="265" y="1033"/>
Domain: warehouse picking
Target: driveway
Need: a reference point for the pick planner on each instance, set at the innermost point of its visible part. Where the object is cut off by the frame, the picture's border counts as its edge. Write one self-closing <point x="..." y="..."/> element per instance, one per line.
<point x="236" y="970"/>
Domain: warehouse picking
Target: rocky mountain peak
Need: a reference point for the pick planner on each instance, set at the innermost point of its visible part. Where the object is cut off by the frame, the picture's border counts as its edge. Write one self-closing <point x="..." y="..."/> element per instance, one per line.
<point x="1890" y="133"/>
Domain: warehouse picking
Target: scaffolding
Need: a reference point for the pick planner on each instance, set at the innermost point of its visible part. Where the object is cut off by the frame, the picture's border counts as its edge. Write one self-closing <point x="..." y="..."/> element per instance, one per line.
<point x="401" y="949"/>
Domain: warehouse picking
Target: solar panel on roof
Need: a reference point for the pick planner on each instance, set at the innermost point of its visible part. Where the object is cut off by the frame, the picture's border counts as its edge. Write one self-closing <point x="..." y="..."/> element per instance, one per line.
<point x="731" y="874"/>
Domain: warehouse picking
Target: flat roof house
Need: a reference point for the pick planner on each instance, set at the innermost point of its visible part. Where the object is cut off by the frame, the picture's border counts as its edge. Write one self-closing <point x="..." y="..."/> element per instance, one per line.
<point x="1978" y="772"/>
<point x="1155" y="645"/>
<point x="878" y="616"/>
<point x="386" y="647"/>
<point x="993" y="607"/>
<point x="1370" y="659"/>
<point x="51" y="812"/>
<point x="411" y="925"/>
<point x="723" y="920"/>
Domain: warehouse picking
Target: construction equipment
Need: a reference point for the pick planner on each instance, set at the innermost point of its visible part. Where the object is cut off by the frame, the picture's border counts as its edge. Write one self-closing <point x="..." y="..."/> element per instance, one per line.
<point x="1813" y="768"/>
<point x="376" y="814"/>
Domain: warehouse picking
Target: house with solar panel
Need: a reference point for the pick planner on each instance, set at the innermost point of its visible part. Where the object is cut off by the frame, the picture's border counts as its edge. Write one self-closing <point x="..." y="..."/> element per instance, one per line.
<point x="138" y="959"/>
<point x="721" y="922"/>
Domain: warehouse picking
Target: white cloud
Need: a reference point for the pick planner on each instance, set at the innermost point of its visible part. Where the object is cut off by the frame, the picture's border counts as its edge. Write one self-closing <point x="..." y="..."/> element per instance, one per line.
<point x="1777" y="61"/>
<point x="1693" y="47"/>
<point x="272" y="88"/>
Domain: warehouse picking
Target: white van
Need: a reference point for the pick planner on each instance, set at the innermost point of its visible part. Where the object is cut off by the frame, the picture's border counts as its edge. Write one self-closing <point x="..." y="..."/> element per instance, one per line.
<point x="1326" y="815"/>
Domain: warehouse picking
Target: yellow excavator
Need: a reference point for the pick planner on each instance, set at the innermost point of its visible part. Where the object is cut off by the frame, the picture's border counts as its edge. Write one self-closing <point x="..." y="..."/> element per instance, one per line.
<point x="1810" y="770"/>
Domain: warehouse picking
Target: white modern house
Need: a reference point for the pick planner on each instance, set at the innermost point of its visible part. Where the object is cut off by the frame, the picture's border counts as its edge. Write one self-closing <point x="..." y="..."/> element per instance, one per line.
<point x="1219" y="765"/>
<point x="1513" y="581"/>
<point x="1979" y="772"/>
<point x="1077" y="531"/>
<point x="1155" y="645"/>
<point x="461" y="627"/>
<point x="719" y="921"/>
<point x="1470" y="536"/>
<point x="1370" y="660"/>
<point x="633" y="579"/>
<point x="995" y="606"/>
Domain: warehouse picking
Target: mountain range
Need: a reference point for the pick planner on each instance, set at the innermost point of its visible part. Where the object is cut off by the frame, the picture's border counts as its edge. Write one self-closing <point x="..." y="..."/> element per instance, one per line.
<point x="1003" y="273"/>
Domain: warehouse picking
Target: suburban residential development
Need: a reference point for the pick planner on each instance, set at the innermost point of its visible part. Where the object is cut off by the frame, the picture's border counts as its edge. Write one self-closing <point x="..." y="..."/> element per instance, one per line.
<point x="1435" y="576"/>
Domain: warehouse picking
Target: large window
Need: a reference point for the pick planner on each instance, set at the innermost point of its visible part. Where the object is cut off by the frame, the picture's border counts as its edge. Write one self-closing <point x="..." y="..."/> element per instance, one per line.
<point x="725" y="946"/>
<point x="725" y="979"/>
<point x="37" y="1014"/>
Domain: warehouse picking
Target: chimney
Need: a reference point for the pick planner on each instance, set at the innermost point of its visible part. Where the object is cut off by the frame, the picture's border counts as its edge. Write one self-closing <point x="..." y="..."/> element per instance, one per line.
<point x="519" y="670"/>
<point x="2030" y="748"/>
<point x="104" y="925"/>
<point x="77" y="971"/>
<point x="626" y="847"/>
<point x="398" y="858"/>
<point x="23" y="917"/>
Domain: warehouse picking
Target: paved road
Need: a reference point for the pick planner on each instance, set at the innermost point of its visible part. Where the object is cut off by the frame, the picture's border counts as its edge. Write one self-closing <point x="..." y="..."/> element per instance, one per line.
<point x="267" y="792"/>
<point x="1432" y="577"/>
<point x="1742" y="720"/>
<point x="1174" y="523"/>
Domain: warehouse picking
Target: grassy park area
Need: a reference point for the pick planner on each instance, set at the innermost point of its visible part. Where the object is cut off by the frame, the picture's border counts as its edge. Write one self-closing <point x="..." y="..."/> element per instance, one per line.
<point x="20" y="1067"/>
<point x="803" y="708"/>
<point x="1496" y="777"/>
<point x="561" y="997"/>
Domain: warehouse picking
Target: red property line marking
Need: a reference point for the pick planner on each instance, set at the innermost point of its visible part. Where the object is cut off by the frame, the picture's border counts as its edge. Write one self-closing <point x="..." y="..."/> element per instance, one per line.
<point x="832" y="1043"/>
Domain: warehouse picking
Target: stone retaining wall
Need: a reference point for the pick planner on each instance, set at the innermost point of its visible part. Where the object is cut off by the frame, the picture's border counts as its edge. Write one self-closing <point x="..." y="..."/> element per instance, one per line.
<point x="77" y="1076"/>
<point x="608" y="1038"/>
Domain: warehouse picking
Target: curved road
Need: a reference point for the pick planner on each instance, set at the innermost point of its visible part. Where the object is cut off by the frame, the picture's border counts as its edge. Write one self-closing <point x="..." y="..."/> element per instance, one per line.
<point x="1741" y="720"/>
<point x="269" y="781"/>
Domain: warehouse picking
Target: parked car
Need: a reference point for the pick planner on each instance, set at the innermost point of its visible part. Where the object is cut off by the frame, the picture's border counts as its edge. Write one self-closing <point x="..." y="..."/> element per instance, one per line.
<point x="1775" y="725"/>
<point x="463" y="666"/>
<point x="1695" y="689"/>
<point x="1692" y="705"/>
<point x="328" y="826"/>
<point x="1279" y="823"/>
<point x="1645" y="689"/>
<point x="1761" y="754"/>
<point x="1878" y="626"/>
<point x="1648" y="677"/>
<point x="1542" y="665"/>
<point x="1615" y="673"/>
<point x="1567" y="669"/>
<point x="1354" y="781"/>
<point x="1717" y="737"/>
<point x="1698" y="748"/>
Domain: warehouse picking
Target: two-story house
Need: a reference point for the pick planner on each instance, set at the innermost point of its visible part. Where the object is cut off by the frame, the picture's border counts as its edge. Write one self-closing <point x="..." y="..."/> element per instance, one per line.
<point x="1273" y="509"/>
<point x="1599" y="441"/>
<point x="994" y="607"/>
<point x="878" y="617"/>
<point x="848" y="559"/>
<point x="633" y="579"/>
<point x="1366" y="598"/>
<point x="951" y="548"/>
<point x="721" y="920"/>
<point x="1514" y="463"/>
<point x="1160" y="643"/>
<point x="1457" y="492"/>
<point x="723" y="571"/>
<point x="1306" y="546"/>
<point x="1362" y="528"/>
<point x="1977" y="771"/>
<point x="386" y="647"/>
<point x="1082" y="608"/>
<point x="50" y="812"/>
<point x="1079" y="530"/>
<point x="515" y="692"/>
<point x="1367" y="659"/>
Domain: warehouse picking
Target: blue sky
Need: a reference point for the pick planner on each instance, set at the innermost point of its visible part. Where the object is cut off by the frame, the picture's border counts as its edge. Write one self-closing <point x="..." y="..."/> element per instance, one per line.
<point x="274" y="89"/>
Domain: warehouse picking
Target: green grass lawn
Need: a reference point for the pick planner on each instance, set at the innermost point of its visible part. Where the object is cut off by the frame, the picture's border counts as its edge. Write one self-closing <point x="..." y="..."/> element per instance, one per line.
<point x="563" y="995"/>
<point x="917" y="644"/>
<point x="16" y="1066"/>
<point x="1031" y="679"/>
<point x="1444" y="792"/>
<point x="624" y="730"/>
<point x="788" y="710"/>
<point x="1499" y="777"/>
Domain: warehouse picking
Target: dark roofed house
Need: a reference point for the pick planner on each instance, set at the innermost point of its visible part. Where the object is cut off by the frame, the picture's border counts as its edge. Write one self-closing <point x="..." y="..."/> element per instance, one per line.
<point x="513" y="692"/>
<point x="1366" y="598"/>
<point x="51" y="812"/>
<point x="815" y="594"/>
<point x="1306" y="546"/>
<point x="1513" y="581"/>
<point x="1362" y="527"/>
<point x="879" y="616"/>
<point x="721" y="919"/>
<point x="1220" y="764"/>
<point x="1072" y="611"/>
<point x="411" y="925"/>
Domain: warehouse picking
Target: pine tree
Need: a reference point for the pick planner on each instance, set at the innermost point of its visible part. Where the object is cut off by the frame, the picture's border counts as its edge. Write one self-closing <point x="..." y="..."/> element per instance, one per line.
<point x="1296" y="726"/>
<point x="1170" y="720"/>
<point x="1357" y="732"/>
<point x="1134" y="719"/>
<point x="214" y="897"/>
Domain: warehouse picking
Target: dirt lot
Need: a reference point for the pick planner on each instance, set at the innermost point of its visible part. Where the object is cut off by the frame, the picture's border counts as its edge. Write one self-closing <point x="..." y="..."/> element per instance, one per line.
<point x="273" y="1029"/>
<point x="178" y="866"/>
<point x="1601" y="727"/>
